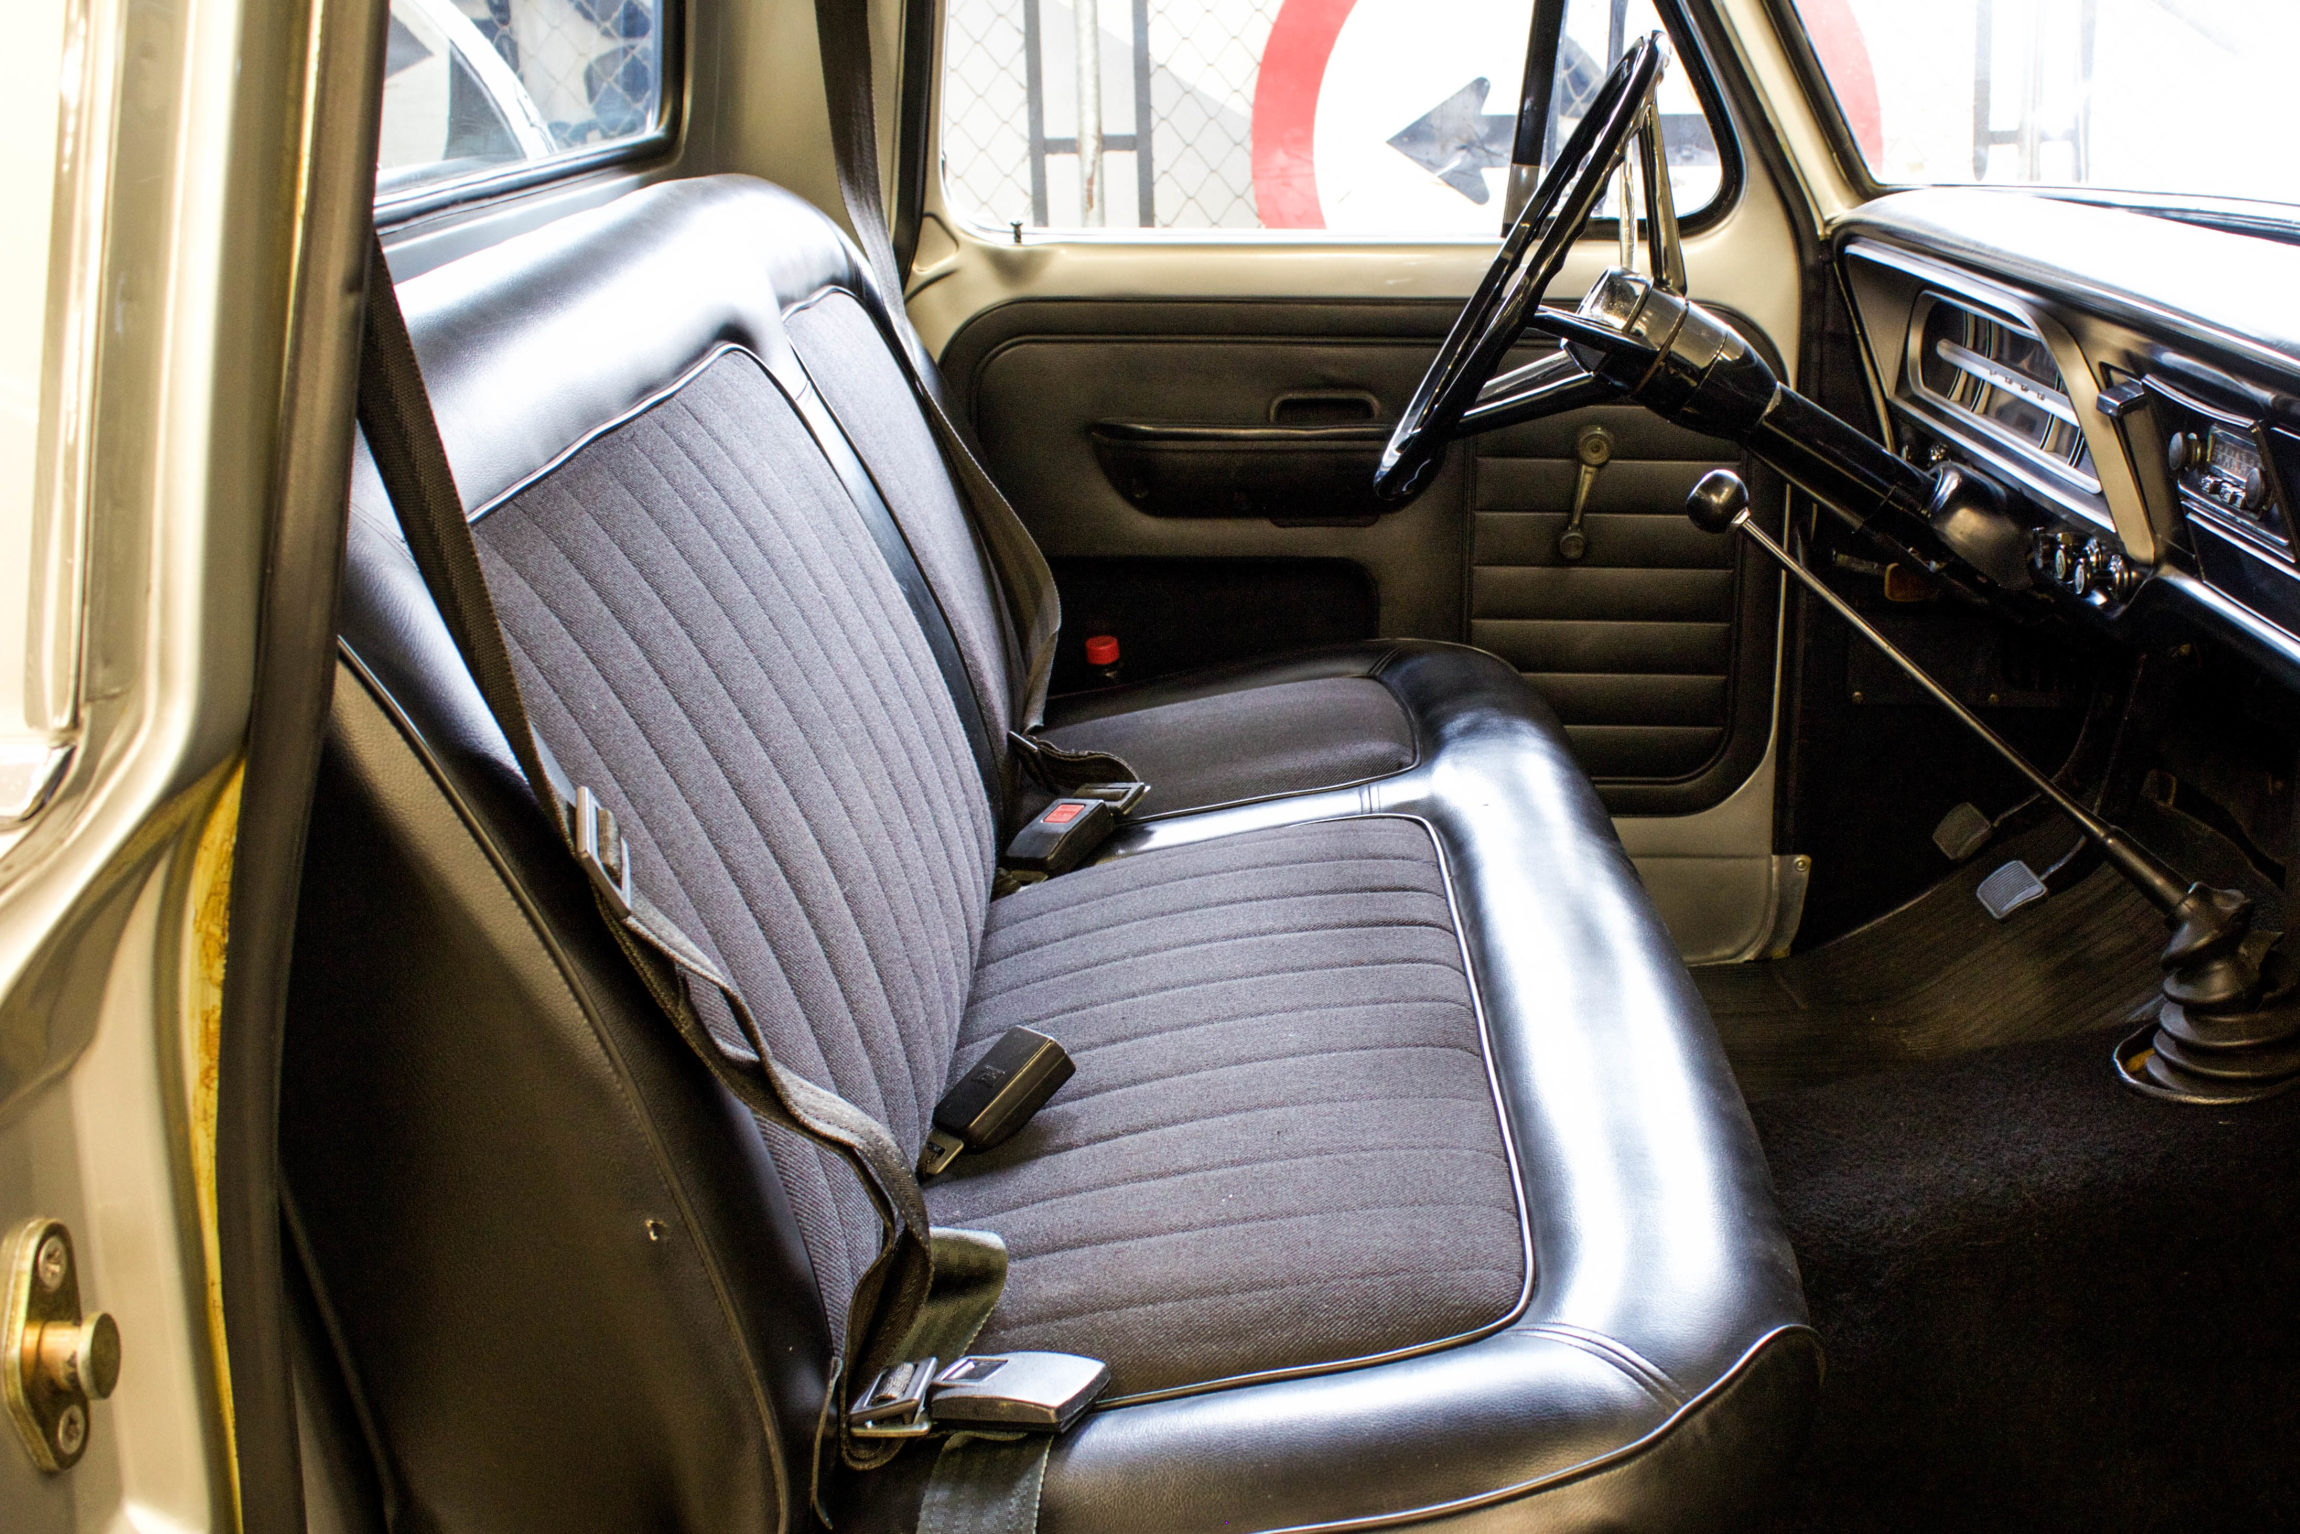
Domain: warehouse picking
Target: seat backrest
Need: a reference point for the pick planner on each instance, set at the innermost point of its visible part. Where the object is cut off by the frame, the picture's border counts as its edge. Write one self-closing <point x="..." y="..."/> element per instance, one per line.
<point x="483" y="1113"/>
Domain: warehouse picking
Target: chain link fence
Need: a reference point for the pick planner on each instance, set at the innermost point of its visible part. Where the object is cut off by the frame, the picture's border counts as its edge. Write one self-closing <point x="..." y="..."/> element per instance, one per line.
<point x="1176" y="81"/>
<point x="593" y="67"/>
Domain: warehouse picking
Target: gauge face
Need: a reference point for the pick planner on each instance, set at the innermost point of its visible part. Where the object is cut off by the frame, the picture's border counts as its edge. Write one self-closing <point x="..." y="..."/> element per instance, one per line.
<point x="2234" y="455"/>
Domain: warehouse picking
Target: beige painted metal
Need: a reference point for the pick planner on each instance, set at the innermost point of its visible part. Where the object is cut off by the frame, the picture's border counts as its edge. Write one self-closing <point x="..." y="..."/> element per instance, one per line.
<point x="178" y="183"/>
<point x="1791" y="120"/>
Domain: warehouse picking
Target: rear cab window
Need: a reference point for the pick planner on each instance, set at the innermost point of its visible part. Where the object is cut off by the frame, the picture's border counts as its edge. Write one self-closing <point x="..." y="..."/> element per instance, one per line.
<point x="1373" y="118"/>
<point x="485" y="91"/>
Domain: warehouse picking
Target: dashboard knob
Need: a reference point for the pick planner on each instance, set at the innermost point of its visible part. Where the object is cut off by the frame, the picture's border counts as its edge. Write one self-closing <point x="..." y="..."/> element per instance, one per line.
<point x="2181" y="453"/>
<point x="2255" y="492"/>
<point x="2126" y="579"/>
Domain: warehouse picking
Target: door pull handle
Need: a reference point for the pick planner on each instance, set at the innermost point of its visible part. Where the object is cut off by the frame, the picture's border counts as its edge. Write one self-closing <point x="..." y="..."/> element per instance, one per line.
<point x="1594" y="447"/>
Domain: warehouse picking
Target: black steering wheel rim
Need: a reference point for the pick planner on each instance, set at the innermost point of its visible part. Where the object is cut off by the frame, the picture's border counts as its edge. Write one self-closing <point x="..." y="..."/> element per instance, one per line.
<point x="1496" y="314"/>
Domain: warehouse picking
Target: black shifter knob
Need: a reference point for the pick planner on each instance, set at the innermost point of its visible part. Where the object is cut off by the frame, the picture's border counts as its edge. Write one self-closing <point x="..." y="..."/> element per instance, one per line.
<point x="1717" y="500"/>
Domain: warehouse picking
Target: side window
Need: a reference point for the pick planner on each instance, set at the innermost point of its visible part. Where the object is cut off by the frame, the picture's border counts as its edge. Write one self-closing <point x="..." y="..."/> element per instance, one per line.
<point x="1376" y="117"/>
<point x="476" y="86"/>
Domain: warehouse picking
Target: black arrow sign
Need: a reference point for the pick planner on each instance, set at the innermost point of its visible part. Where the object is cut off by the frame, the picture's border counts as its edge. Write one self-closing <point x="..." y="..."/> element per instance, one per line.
<point x="1457" y="140"/>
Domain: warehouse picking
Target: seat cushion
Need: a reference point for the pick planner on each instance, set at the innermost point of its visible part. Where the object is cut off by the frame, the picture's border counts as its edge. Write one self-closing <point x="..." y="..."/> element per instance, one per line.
<point x="1282" y="1147"/>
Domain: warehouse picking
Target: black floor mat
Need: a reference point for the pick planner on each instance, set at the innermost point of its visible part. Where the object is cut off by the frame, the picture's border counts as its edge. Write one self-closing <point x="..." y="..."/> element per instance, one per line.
<point x="1940" y="977"/>
<point x="2048" y="1302"/>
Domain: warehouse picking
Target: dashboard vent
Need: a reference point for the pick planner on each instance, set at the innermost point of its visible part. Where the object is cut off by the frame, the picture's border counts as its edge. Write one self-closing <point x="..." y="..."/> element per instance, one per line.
<point x="1999" y="376"/>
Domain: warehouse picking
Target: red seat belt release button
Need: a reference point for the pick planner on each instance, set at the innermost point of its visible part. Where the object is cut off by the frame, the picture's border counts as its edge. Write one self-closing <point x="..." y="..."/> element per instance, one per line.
<point x="1062" y="835"/>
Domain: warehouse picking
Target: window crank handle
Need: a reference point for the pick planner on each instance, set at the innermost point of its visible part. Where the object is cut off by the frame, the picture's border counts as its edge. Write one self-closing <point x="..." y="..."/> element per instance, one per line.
<point x="1594" y="447"/>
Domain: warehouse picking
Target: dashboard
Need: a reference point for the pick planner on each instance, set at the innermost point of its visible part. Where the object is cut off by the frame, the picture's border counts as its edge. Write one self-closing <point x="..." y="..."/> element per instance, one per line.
<point x="2133" y="380"/>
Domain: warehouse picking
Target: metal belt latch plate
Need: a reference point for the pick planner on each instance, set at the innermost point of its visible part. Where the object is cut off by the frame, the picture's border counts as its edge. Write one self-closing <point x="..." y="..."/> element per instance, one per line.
<point x="53" y="1361"/>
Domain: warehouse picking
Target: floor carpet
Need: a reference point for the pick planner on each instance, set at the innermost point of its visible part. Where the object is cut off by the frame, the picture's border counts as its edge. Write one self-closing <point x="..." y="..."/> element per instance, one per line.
<point x="2048" y="1302"/>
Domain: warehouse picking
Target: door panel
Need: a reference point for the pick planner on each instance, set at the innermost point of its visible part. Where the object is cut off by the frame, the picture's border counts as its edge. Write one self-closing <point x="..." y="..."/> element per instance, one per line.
<point x="1648" y="646"/>
<point x="1654" y="647"/>
<point x="1039" y="378"/>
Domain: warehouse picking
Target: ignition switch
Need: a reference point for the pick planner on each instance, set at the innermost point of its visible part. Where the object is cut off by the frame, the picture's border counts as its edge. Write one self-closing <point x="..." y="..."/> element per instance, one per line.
<point x="54" y="1362"/>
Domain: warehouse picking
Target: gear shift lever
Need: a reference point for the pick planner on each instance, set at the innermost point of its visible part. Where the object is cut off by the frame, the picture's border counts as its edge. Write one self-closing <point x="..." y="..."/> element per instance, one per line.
<point x="2228" y="1028"/>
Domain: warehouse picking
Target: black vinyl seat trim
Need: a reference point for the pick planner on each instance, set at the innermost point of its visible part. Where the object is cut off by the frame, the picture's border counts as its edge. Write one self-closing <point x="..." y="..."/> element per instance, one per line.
<point x="1077" y="714"/>
<point x="1684" y="1413"/>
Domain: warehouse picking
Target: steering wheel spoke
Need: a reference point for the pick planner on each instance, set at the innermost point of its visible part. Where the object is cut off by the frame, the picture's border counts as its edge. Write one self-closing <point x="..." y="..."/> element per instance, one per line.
<point x="1460" y="394"/>
<point x="1550" y="385"/>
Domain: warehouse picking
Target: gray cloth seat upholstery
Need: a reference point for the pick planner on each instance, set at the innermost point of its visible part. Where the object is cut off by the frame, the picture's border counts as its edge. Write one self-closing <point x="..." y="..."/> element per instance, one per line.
<point x="1282" y="1110"/>
<point x="1402" y="1178"/>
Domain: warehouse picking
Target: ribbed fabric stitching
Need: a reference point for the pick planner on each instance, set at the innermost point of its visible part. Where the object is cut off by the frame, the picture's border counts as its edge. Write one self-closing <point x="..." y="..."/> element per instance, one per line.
<point x="847" y="357"/>
<point x="1281" y="1149"/>
<point x="711" y="642"/>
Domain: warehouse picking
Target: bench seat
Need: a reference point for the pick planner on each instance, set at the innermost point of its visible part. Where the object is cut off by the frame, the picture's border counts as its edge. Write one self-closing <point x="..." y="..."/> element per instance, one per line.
<point x="1402" y="1178"/>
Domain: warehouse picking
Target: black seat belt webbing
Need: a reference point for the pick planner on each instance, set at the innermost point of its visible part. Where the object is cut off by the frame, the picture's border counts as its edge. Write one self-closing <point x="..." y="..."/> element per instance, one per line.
<point x="909" y="576"/>
<point x="403" y="437"/>
<point x="986" y="1485"/>
<point x="1034" y="607"/>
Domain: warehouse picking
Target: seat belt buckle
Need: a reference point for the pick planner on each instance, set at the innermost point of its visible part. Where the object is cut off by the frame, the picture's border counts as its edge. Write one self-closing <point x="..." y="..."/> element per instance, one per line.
<point x="601" y="849"/>
<point x="1062" y="836"/>
<point x="1121" y="795"/>
<point x="996" y="1098"/>
<point x="895" y="1404"/>
<point x="1029" y="1392"/>
<point x="1003" y="1392"/>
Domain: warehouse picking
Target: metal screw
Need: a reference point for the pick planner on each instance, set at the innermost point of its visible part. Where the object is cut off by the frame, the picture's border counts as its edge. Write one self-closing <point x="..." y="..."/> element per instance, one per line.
<point x="657" y="1230"/>
<point x="71" y="1431"/>
<point x="51" y="1262"/>
<point x="1857" y="698"/>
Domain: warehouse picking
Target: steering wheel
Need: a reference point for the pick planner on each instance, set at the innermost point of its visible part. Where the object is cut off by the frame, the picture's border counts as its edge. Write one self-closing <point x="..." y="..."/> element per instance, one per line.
<point x="1460" y="394"/>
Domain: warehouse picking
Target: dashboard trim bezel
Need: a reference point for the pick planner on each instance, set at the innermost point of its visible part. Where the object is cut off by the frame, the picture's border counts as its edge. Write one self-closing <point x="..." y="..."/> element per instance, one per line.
<point x="2120" y="508"/>
<point x="1949" y="418"/>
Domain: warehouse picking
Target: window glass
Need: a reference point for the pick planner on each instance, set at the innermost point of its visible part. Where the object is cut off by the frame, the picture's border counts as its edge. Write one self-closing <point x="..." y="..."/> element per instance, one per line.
<point x="2134" y="95"/>
<point x="472" y="86"/>
<point x="1377" y="117"/>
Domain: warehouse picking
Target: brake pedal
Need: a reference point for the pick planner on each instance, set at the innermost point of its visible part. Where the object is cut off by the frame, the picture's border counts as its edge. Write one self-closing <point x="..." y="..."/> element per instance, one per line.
<point x="2010" y="888"/>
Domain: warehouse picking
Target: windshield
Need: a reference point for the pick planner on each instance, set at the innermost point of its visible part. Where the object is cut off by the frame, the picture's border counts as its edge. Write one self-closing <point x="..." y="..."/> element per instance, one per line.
<point x="2153" y="96"/>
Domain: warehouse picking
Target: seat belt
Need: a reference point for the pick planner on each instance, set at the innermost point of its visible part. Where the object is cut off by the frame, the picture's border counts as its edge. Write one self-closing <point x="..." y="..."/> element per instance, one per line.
<point x="979" y="1486"/>
<point x="1033" y="606"/>
<point x="928" y="1291"/>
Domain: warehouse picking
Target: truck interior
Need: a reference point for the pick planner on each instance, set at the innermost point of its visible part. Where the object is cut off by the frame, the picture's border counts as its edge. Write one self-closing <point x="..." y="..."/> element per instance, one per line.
<point x="986" y="785"/>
